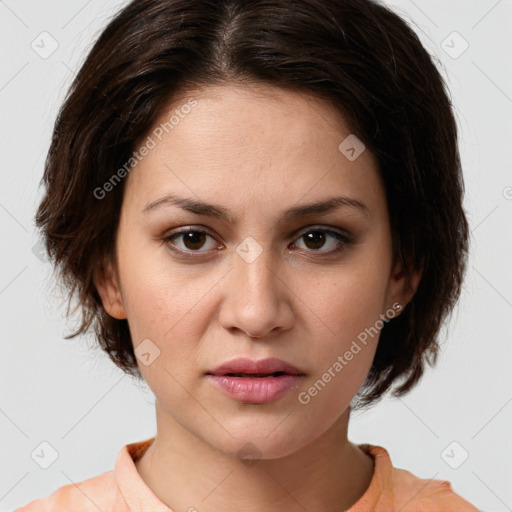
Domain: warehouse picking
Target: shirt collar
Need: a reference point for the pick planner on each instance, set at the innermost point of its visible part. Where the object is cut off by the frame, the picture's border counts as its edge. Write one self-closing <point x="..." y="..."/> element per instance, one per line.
<point x="139" y="496"/>
<point x="379" y="494"/>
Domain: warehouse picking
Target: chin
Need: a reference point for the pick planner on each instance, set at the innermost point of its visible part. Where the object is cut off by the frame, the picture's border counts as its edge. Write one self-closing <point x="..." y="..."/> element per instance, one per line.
<point x="250" y="443"/>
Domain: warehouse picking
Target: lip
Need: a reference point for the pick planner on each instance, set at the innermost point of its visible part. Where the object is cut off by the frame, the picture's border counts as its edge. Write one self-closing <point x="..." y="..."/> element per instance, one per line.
<point x="256" y="389"/>
<point x="263" y="366"/>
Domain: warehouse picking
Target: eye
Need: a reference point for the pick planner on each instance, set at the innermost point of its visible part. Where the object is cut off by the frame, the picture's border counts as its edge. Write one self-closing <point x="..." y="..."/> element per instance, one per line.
<point x="193" y="239"/>
<point x="314" y="239"/>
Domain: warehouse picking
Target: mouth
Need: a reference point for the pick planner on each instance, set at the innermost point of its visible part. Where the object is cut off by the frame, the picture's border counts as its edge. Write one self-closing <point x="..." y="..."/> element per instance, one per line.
<point x="255" y="382"/>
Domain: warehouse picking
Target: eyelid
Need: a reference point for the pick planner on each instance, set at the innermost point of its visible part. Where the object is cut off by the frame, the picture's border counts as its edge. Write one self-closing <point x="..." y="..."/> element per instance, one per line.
<point x="322" y="227"/>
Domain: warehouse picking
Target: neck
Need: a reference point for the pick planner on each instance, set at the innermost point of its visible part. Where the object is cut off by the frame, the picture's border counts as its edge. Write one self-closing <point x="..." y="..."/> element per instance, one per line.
<point x="186" y="473"/>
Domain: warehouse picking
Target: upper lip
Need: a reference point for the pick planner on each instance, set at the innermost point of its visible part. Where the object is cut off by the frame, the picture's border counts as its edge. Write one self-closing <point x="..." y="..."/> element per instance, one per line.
<point x="248" y="366"/>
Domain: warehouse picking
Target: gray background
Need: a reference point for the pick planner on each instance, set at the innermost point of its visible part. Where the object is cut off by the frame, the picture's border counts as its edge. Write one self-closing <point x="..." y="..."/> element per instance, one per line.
<point x="60" y="392"/>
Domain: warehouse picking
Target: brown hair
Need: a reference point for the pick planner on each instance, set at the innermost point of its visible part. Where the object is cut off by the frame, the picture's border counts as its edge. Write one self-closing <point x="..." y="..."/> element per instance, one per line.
<point x="355" y="54"/>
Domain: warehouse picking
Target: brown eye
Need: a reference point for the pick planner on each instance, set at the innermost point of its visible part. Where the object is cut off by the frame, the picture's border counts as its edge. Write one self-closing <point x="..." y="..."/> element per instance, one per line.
<point x="315" y="239"/>
<point x="192" y="240"/>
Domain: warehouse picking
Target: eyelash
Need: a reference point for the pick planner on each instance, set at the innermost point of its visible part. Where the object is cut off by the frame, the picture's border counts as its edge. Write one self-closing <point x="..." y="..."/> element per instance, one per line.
<point x="344" y="240"/>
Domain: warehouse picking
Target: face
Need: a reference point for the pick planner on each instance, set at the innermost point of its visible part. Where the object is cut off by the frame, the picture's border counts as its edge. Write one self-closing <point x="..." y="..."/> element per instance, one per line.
<point x="254" y="282"/>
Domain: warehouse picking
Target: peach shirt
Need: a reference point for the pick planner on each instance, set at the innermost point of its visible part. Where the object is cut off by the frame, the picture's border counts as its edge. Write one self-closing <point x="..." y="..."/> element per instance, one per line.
<point x="123" y="490"/>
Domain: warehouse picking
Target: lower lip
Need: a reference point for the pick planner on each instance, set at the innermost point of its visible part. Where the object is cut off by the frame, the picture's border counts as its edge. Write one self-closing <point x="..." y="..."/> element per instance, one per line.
<point x="255" y="390"/>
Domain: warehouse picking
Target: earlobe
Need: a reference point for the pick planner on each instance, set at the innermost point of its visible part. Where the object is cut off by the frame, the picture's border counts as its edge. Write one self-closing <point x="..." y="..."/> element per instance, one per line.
<point x="107" y="285"/>
<point x="403" y="289"/>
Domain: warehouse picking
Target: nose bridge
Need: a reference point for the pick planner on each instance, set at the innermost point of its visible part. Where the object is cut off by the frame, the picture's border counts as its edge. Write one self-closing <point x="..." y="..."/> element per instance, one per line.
<point x="255" y="269"/>
<point x="254" y="303"/>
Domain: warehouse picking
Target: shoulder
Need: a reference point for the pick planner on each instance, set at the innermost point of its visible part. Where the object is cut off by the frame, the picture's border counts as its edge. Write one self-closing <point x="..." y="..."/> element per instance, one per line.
<point x="402" y="490"/>
<point x="413" y="493"/>
<point x="97" y="493"/>
<point x="427" y="495"/>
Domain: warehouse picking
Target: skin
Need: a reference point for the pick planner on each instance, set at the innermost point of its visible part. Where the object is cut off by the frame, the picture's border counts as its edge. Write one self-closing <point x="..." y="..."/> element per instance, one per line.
<point x="256" y="151"/>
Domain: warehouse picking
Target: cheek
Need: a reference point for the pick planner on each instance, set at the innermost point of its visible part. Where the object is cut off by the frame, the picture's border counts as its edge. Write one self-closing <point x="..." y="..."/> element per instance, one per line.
<point x="170" y="305"/>
<point x="171" y="321"/>
<point x="157" y="311"/>
<point x="346" y="325"/>
<point x="340" y="352"/>
<point x="155" y="294"/>
<point x="347" y="301"/>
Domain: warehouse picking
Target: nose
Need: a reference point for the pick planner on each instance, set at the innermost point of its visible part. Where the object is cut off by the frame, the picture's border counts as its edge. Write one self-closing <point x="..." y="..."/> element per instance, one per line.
<point x="257" y="300"/>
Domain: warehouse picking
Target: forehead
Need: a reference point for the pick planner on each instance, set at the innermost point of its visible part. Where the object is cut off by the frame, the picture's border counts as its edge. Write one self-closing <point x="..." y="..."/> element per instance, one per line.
<point x="251" y="144"/>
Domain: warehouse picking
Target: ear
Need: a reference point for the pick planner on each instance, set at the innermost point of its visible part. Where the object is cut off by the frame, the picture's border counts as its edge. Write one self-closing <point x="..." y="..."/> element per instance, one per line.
<point x="107" y="283"/>
<point x="400" y="289"/>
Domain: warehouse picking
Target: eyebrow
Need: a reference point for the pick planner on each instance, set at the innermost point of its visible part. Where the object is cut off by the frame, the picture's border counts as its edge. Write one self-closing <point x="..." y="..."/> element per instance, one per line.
<point x="212" y="210"/>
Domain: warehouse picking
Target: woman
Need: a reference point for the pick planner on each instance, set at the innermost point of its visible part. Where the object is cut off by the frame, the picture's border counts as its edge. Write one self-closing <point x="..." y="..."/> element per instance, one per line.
<point x="259" y="208"/>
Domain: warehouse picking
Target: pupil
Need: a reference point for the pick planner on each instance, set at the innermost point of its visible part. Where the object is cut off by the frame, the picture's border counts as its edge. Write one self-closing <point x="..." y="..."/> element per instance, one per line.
<point x="193" y="238"/>
<point x="317" y="237"/>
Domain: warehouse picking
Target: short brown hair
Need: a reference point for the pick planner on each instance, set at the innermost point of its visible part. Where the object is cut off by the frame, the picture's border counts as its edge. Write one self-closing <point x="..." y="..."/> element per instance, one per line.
<point x="355" y="54"/>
